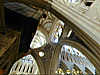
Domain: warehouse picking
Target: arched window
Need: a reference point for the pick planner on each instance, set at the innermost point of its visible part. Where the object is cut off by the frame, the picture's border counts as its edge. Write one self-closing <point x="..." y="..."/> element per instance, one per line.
<point x="74" y="56"/>
<point x="38" y="40"/>
<point x="57" y="32"/>
<point x="25" y="65"/>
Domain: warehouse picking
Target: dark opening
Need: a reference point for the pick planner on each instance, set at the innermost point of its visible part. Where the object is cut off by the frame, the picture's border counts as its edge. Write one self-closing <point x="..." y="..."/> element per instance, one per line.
<point x="88" y="3"/>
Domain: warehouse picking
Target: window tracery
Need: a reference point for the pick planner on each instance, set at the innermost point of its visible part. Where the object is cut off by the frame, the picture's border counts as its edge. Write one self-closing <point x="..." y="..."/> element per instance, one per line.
<point x="25" y="65"/>
<point x="56" y="33"/>
<point x="73" y="56"/>
<point x="38" y="40"/>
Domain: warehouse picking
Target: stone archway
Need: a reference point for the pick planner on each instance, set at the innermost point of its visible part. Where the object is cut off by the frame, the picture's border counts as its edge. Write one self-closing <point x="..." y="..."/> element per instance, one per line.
<point x="93" y="53"/>
<point x="82" y="49"/>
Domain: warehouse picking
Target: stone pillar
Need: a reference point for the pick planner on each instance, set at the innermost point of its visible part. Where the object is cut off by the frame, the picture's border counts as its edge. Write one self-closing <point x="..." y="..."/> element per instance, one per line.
<point x="2" y="19"/>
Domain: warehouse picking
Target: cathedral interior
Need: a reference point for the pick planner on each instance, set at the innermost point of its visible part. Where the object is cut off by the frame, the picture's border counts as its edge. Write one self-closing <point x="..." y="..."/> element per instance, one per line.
<point x="49" y="37"/>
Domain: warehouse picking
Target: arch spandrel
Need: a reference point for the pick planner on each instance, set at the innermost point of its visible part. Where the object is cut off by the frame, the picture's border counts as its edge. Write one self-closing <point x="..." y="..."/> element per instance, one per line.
<point x="39" y="61"/>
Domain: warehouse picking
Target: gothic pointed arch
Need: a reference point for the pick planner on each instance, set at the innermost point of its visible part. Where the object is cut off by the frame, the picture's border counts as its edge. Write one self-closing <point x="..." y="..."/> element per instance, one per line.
<point x="38" y="40"/>
<point x="29" y="64"/>
<point x="25" y="65"/>
<point x="76" y="45"/>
